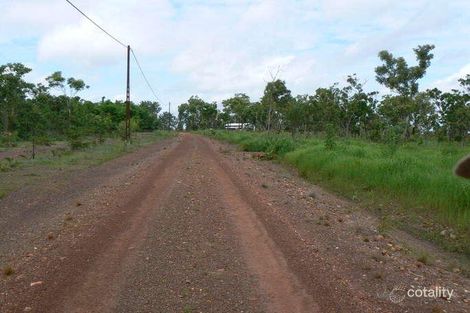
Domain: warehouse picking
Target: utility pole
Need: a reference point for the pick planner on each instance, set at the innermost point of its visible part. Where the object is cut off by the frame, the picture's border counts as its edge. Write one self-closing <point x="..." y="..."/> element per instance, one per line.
<point x="128" y="97"/>
<point x="169" y="115"/>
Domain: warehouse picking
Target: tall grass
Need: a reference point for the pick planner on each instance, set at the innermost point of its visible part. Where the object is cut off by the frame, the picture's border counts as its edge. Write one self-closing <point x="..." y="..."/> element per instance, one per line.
<point x="417" y="177"/>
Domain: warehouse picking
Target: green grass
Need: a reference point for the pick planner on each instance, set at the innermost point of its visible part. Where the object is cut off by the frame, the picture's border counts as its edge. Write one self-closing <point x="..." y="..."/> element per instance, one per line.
<point x="415" y="181"/>
<point x="95" y="154"/>
<point x="17" y="173"/>
<point x="8" y="164"/>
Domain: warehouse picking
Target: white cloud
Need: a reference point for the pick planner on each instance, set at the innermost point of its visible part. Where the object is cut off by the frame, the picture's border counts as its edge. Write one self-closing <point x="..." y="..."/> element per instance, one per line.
<point x="216" y="48"/>
<point x="81" y="44"/>
<point x="451" y="82"/>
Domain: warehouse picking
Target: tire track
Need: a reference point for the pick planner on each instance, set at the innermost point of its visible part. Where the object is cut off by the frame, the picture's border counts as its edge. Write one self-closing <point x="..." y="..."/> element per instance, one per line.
<point x="282" y="289"/>
<point x="90" y="277"/>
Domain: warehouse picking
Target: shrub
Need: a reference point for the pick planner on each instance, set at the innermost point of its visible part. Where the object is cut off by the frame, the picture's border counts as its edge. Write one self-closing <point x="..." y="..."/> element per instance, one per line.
<point x="8" y="164"/>
<point x="9" y="139"/>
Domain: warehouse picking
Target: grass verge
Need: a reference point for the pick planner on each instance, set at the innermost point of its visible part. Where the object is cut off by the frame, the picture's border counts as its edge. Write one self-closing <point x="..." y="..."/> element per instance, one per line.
<point x="15" y="173"/>
<point x="412" y="185"/>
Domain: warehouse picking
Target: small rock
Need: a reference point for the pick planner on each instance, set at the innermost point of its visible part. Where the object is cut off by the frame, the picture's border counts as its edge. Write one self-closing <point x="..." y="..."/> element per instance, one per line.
<point x="452" y="236"/>
<point x="27" y="309"/>
<point x="36" y="283"/>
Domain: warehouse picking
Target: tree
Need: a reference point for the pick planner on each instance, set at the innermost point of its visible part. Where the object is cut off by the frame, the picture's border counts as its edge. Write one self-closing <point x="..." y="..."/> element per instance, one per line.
<point x="396" y="75"/>
<point x="197" y="114"/>
<point x="296" y="114"/>
<point x="357" y="107"/>
<point x="324" y="108"/>
<point x="69" y="86"/>
<point x="168" y="121"/>
<point x="13" y="91"/>
<point x="276" y="100"/>
<point x="238" y="108"/>
<point x="453" y="110"/>
<point x="147" y="113"/>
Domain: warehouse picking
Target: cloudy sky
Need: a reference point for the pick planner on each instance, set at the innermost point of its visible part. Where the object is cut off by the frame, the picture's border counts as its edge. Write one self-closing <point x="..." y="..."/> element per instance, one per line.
<point x="215" y="48"/>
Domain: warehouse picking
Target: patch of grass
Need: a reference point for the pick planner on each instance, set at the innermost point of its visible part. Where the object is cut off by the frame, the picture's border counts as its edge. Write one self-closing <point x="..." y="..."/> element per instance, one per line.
<point x="424" y="257"/>
<point x="68" y="218"/>
<point x="8" y="164"/>
<point x="98" y="154"/>
<point x="386" y="224"/>
<point x="187" y="309"/>
<point x="379" y="275"/>
<point x="8" y="270"/>
<point x="62" y="159"/>
<point x="415" y="181"/>
<point x="437" y="309"/>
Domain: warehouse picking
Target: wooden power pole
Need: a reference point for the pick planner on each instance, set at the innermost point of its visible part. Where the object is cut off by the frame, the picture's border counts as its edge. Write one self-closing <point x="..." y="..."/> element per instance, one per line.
<point x="128" y="97"/>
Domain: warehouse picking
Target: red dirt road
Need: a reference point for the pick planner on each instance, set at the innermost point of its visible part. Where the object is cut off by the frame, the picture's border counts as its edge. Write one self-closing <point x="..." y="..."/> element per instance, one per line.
<point x="191" y="225"/>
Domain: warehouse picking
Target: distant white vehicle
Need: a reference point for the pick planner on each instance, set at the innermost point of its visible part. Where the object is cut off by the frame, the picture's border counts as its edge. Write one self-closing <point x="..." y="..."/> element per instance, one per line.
<point x="239" y="126"/>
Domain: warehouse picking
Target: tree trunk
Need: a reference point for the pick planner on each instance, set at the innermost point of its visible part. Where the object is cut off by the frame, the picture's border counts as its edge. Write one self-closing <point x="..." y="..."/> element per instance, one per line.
<point x="5" y="120"/>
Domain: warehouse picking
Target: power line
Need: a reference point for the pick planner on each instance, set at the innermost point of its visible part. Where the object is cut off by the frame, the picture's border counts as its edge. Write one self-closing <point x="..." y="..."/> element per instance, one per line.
<point x="122" y="44"/>
<point x="96" y="24"/>
<point x="143" y="75"/>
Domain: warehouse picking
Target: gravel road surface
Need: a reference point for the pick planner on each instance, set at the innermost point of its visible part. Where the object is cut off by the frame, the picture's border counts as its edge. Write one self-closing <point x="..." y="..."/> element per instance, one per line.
<point x="193" y="225"/>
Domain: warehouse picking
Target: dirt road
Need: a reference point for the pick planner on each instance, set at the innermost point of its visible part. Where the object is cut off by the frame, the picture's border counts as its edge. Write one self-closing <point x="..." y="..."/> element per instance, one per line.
<point x="191" y="225"/>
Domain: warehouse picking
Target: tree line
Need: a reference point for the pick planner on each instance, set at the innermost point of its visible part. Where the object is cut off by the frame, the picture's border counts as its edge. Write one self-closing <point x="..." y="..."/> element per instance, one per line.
<point x="405" y="114"/>
<point x="53" y="110"/>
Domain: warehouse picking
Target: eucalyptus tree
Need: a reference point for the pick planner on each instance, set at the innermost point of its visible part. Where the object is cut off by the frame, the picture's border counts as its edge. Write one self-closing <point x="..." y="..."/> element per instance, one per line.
<point x="13" y="92"/>
<point x="238" y="108"/>
<point x="276" y="100"/>
<point x="453" y="110"/>
<point x="402" y="79"/>
<point x="357" y="107"/>
<point x="197" y="114"/>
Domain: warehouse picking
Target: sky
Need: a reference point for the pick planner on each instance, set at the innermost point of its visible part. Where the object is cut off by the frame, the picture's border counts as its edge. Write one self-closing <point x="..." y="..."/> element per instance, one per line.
<point x="215" y="48"/>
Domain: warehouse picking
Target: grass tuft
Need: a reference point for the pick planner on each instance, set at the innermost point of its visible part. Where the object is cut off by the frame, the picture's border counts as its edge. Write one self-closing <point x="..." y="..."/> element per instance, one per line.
<point x="8" y="270"/>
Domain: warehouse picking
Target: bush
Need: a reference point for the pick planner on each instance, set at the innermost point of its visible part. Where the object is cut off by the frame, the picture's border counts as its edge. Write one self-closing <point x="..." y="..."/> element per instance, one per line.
<point x="77" y="144"/>
<point x="43" y="140"/>
<point x="330" y="143"/>
<point x="75" y="139"/>
<point x="9" y="139"/>
<point x="8" y="164"/>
